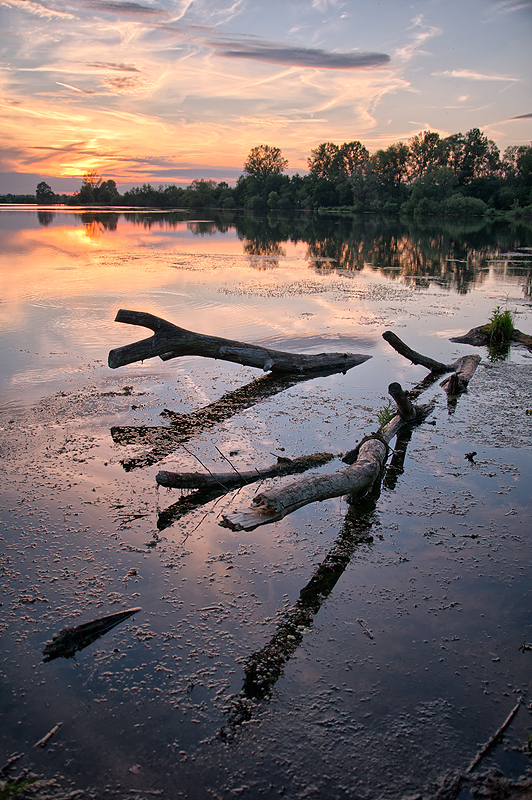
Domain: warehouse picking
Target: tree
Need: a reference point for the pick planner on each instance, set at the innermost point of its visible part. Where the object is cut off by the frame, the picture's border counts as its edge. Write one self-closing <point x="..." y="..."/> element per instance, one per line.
<point x="106" y="192"/>
<point x="390" y="168"/>
<point x="471" y="156"/>
<point x="264" y="161"/>
<point x="334" y="162"/>
<point x="352" y="156"/>
<point x="426" y="153"/>
<point x="91" y="178"/>
<point x="324" y="161"/>
<point x="44" y="194"/>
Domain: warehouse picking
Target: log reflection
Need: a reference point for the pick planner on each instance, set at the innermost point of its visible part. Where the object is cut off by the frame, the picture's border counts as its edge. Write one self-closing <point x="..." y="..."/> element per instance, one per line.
<point x="161" y="440"/>
<point x="263" y="668"/>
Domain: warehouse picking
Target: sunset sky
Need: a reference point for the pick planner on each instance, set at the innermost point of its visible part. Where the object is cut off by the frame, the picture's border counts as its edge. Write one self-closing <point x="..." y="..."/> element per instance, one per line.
<point x="165" y="91"/>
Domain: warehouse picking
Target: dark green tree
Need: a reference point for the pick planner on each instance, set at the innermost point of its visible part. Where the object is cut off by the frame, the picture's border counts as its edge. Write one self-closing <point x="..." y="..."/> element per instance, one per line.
<point x="44" y="194"/>
<point x="426" y="153"/>
<point x="324" y="161"/>
<point x="352" y="156"/>
<point x="264" y="161"/>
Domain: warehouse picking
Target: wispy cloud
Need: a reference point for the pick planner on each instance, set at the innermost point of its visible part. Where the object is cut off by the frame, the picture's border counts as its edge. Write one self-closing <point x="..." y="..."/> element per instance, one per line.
<point x="421" y="34"/>
<point x="522" y="116"/>
<point x="110" y="65"/>
<point x="509" y="6"/>
<point x="287" y="55"/>
<point x="74" y="88"/>
<point x="37" y="9"/>
<point x="471" y="75"/>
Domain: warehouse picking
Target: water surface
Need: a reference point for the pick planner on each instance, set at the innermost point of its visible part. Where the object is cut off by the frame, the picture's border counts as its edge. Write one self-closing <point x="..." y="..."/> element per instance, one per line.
<point x="408" y="658"/>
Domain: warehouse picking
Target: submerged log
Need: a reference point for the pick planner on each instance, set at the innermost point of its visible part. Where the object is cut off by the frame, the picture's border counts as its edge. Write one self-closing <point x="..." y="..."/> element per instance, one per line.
<point x="170" y="341"/>
<point x="228" y="480"/>
<point x="357" y="479"/>
<point x="70" y="640"/>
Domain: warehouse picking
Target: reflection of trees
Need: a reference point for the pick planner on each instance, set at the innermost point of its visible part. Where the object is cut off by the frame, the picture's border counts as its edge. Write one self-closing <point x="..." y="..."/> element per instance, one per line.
<point x="452" y="252"/>
<point x="203" y="227"/>
<point x="100" y="222"/>
<point x="45" y="217"/>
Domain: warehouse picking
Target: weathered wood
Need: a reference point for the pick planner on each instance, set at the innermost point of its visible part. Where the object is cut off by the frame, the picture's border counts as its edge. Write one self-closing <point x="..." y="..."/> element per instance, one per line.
<point x="493" y="739"/>
<point x="522" y="338"/>
<point x="71" y="639"/>
<point x="416" y="358"/>
<point x="170" y="341"/>
<point x="481" y="337"/>
<point x="229" y="480"/>
<point x="406" y="410"/>
<point x="464" y="369"/>
<point x="357" y="479"/>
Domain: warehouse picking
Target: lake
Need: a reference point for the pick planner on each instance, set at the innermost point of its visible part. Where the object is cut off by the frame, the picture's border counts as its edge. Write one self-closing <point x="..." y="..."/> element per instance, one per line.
<point x="400" y="622"/>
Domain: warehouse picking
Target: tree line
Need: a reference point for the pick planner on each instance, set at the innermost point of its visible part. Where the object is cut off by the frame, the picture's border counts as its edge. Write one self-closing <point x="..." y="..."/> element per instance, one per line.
<point x="461" y="174"/>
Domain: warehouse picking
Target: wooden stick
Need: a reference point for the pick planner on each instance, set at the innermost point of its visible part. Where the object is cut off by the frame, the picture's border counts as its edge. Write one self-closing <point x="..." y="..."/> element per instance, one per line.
<point x="493" y="739"/>
<point x="481" y="336"/>
<point x="45" y="739"/>
<point x="462" y="369"/>
<point x="69" y="640"/>
<point x="170" y="341"/>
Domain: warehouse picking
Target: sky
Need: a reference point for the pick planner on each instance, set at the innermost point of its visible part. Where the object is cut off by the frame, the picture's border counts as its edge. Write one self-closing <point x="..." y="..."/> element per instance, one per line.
<point x="168" y="91"/>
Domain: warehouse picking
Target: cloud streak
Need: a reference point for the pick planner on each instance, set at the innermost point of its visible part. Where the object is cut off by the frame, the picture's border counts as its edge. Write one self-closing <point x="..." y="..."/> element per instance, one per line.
<point x="285" y="55"/>
<point x="471" y="75"/>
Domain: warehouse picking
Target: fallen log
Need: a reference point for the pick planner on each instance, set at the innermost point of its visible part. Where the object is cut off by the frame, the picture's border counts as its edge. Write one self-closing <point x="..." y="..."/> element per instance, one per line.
<point x="463" y="368"/>
<point x="71" y="639"/>
<point x="481" y="336"/>
<point x="357" y="479"/>
<point x="457" y="382"/>
<point x="169" y="341"/>
<point x="228" y="480"/>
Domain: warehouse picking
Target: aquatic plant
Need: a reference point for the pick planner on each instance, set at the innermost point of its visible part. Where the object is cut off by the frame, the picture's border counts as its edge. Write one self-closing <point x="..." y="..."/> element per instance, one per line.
<point x="501" y="326"/>
<point x="386" y="413"/>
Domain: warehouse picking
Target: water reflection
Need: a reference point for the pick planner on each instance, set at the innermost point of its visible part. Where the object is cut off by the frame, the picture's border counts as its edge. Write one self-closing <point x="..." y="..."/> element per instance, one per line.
<point x="45" y="217"/>
<point x="453" y="253"/>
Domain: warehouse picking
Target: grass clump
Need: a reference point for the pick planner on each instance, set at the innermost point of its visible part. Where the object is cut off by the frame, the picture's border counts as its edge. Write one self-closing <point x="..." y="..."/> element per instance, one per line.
<point x="501" y="326"/>
<point x="385" y="414"/>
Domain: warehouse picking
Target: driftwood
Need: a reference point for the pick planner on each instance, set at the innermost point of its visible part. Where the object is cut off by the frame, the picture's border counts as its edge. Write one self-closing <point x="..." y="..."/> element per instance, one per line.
<point x="481" y="336"/>
<point x="211" y="486"/>
<point x="462" y="369"/>
<point x="45" y="739"/>
<point x="170" y="341"/>
<point x="69" y="640"/>
<point x="493" y="739"/>
<point x="371" y="454"/>
<point x="228" y="480"/>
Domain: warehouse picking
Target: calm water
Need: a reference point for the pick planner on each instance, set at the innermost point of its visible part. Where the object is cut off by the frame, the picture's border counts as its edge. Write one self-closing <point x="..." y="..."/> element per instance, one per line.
<point x="408" y="657"/>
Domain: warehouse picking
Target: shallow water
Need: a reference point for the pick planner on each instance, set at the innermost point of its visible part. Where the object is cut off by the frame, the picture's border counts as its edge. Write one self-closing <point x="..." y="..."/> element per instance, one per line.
<point x="409" y="656"/>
